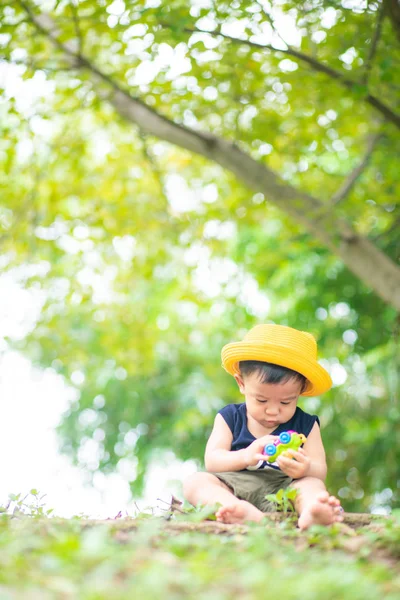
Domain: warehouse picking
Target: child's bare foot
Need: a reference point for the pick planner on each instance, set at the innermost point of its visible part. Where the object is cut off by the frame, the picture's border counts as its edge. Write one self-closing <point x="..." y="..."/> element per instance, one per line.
<point x="239" y="512"/>
<point x="325" y="510"/>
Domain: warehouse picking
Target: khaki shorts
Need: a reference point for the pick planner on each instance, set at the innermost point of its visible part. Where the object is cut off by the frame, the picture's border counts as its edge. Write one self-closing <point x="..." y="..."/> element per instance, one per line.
<point x="253" y="486"/>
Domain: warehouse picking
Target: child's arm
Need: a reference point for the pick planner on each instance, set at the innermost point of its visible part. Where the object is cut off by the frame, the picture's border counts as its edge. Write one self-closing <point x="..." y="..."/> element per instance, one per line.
<point x="310" y="460"/>
<point x="220" y="457"/>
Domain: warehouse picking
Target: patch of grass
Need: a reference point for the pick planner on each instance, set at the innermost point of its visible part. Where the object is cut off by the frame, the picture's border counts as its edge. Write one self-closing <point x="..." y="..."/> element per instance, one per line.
<point x="386" y="534"/>
<point x="153" y="559"/>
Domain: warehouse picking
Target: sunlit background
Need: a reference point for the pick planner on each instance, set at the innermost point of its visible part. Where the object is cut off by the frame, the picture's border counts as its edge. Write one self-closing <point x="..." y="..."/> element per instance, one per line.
<point x="33" y="400"/>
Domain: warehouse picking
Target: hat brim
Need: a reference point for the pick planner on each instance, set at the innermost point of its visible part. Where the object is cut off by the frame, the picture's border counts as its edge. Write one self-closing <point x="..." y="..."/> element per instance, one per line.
<point x="318" y="379"/>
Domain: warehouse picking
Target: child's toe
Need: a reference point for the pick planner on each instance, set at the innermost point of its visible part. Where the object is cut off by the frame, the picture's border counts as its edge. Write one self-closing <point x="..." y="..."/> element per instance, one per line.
<point x="333" y="501"/>
<point x="323" y="497"/>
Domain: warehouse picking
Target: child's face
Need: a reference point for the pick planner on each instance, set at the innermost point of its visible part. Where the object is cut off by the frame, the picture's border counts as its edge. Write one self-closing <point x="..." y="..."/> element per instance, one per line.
<point x="270" y="404"/>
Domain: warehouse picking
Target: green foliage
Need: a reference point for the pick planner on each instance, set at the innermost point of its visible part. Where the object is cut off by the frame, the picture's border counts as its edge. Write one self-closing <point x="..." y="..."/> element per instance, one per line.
<point x="149" y="259"/>
<point x="154" y="558"/>
<point x="284" y="499"/>
<point x="387" y="536"/>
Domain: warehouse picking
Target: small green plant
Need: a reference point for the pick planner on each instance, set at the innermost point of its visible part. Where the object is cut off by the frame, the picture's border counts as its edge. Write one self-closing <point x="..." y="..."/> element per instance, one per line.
<point x="284" y="499"/>
<point x="30" y="505"/>
<point x="200" y="513"/>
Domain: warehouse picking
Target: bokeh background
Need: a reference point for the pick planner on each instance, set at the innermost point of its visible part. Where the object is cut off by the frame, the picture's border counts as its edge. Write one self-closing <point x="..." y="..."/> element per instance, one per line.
<point x="171" y="174"/>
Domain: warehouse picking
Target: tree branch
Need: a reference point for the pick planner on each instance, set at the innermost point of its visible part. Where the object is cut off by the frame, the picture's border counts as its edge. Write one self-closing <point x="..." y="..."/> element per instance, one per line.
<point x="374" y="45"/>
<point x="272" y="23"/>
<point x="157" y="173"/>
<point x="355" y="174"/>
<point x="29" y="63"/>
<point x="316" y="65"/>
<point x="392" y="8"/>
<point x="78" y="32"/>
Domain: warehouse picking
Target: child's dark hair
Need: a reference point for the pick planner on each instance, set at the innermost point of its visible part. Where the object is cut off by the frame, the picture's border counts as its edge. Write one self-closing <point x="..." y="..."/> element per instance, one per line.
<point x="270" y="373"/>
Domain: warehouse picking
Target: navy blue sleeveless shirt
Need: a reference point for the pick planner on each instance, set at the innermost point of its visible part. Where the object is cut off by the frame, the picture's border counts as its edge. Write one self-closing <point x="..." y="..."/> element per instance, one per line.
<point x="235" y="416"/>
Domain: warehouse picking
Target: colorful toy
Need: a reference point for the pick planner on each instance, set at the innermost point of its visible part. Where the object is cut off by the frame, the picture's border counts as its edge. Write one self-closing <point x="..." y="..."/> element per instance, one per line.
<point x="288" y="440"/>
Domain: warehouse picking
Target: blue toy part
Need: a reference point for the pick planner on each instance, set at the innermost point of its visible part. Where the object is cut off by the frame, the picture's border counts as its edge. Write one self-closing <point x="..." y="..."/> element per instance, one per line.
<point x="270" y="450"/>
<point x="285" y="437"/>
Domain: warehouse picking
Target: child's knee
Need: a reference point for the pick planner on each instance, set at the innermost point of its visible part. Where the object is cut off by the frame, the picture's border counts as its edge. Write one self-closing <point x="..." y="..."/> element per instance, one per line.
<point x="194" y="482"/>
<point x="191" y="485"/>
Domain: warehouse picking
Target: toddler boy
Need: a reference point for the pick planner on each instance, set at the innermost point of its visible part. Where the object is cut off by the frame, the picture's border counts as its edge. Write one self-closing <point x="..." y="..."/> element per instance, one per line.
<point x="272" y="366"/>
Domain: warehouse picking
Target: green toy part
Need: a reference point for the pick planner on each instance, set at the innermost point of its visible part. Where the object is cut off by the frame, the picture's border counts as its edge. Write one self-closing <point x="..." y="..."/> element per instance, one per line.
<point x="288" y="440"/>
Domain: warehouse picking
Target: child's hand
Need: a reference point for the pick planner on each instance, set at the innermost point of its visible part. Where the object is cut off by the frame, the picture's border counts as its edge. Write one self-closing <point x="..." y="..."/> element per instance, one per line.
<point x="254" y="452"/>
<point x="294" y="468"/>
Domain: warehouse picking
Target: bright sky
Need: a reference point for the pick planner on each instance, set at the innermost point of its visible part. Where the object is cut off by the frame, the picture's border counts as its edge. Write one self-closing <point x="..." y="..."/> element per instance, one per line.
<point x="31" y="404"/>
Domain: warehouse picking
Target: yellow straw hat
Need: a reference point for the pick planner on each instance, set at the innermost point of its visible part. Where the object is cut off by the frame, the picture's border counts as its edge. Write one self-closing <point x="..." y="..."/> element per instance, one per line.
<point x="283" y="346"/>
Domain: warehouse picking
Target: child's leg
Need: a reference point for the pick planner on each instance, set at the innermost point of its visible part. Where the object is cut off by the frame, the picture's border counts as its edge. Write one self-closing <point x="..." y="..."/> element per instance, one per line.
<point x="313" y="503"/>
<point x="205" y="488"/>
